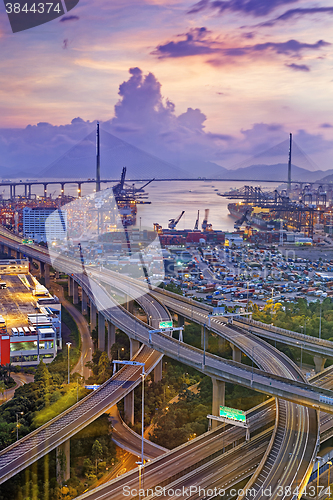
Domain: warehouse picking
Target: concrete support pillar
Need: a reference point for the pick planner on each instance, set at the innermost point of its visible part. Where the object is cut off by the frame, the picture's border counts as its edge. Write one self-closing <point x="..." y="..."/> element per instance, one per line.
<point x="111" y="337"/>
<point x="2" y="248"/>
<point x="101" y="332"/>
<point x="181" y="320"/>
<point x="218" y="399"/>
<point x="63" y="462"/>
<point x="93" y="313"/>
<point x="134" y="347"/>
<point x="221" y="343"/>
<point x="70" y="286"/>
<point x="57" y="275"/>
<point x="236" y="353"/>
<point x="47" y="275"/>
<point x="158" y="372"/>
<point x="129" y="304"/>
<point x="84" y="303"/>
<point x="75" y="292"/>
<point x="41" y="269"/>
<point x="204" y="331"/>
<point x="319" y="363"/>
<point x="18" y="254"/>
<point x="129" y="408"/>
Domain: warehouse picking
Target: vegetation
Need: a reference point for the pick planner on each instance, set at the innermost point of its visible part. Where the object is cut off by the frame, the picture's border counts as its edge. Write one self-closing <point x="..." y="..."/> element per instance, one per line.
<point x="171" y="287"/>
<point x="299" y="317"/>
<point x="186" y="418"/>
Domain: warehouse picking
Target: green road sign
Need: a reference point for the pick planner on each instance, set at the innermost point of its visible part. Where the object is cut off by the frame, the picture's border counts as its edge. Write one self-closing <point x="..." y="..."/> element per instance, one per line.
<point x="232" y="414"/>
<point x="165" y="324"/>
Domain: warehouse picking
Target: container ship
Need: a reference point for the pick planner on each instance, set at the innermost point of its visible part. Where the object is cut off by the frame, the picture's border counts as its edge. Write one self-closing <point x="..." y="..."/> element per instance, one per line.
<point x="261" y="218"/>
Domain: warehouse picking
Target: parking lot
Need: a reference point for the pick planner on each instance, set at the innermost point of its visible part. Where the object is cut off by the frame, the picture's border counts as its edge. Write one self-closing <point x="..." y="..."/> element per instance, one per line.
<point x="16" y="302"/>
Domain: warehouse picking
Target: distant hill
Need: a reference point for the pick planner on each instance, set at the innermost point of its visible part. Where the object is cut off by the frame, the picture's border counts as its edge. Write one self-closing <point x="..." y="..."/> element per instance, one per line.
<point x="327" y="178"/>
<point x="278" y="172"/>
<point x="80" y="161"/>
<point x="199" y="168"/>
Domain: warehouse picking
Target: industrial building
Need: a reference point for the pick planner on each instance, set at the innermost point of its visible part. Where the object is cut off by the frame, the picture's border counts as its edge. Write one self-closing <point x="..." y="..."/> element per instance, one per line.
<point x="31" y="324"/>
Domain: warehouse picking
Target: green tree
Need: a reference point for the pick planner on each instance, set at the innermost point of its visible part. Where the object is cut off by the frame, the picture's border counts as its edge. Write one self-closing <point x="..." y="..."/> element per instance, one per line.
<point x="97" y="451"/>
<point x="103" y="366"/>
<point x="42" y="375"/>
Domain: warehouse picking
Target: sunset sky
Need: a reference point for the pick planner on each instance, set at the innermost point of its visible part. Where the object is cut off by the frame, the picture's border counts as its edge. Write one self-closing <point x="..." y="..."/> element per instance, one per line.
<point x="215" y="80"/>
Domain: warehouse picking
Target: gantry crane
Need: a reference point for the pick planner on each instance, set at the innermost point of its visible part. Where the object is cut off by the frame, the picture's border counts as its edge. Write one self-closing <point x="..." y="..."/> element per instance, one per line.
<point x="196" y="225"/>
<point x="173" y="222"/>
<point x="205" y="226"/>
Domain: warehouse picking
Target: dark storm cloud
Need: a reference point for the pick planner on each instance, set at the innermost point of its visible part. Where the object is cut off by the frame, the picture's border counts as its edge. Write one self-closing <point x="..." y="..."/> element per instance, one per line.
<point x="298" y="67"/>
<point x="292" y="13"/>
<point x="69" y="18"/>
<point x="252" y="7"/>
<point x="195" y="43"/>
<point x="199" y="42"/>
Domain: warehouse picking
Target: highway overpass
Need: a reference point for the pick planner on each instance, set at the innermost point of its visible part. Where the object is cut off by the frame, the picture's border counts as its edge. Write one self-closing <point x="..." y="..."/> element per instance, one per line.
<point x="296" y="428"/>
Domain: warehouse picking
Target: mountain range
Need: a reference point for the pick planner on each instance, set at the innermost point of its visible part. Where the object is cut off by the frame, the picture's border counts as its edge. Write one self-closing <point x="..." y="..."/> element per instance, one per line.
<point x="79" y="163"/>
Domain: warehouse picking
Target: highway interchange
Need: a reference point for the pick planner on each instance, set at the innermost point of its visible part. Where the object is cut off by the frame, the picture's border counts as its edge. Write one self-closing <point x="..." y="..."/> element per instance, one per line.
<point x="292" y="449"/>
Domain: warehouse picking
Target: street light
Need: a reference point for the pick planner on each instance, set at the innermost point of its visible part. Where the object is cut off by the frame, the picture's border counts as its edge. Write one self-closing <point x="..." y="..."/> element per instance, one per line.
<point x="136" y="363"/>
<point x="17" y="423"/>
<point x="319" y="460"/>
<point x="301" y="352"/>
<point x="68" y="346"/>
<point x="328" y="480"/>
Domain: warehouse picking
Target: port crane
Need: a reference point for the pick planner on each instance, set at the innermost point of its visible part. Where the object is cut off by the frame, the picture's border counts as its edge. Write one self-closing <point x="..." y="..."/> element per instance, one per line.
<point x="205" y="226"/>
<point x="173" y="222"/>
<point x="196" y="225"/>
<point x="244" y="219"/>
<point x="122" y="191"/>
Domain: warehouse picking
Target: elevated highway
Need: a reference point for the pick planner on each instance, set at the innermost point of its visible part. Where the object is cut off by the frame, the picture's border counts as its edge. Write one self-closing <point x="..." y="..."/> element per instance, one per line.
<point x="226" y="466"/>
<point x="292" y="448"/>
<point x="310" y="344"/>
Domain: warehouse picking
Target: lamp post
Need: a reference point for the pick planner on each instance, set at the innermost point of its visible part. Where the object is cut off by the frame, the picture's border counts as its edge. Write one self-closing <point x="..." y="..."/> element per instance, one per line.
<point x="143" y="374"/>
<point x="247" y="301"/>
<point x="252" y="365"/>
<point x="319" y="460"/>
<point x="68" y="346"/>
<point x="142" y="417"/>
<point x="300" y="343"/>
<point x="17" y="423"/>
<point x="328" y="479"/>
<point x="204" y="339"/>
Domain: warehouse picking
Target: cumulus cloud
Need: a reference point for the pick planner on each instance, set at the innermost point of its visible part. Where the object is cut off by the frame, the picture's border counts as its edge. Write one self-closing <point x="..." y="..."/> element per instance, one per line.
<point x="146" y="119"/>
<point x="252" y="7"/>
<point x="198" y="41"/>
<point x="298" y="67"/>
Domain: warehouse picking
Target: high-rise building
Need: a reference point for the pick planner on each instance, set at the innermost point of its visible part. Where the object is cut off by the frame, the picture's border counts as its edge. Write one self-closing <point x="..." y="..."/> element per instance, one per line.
<point x="34" y="224"/>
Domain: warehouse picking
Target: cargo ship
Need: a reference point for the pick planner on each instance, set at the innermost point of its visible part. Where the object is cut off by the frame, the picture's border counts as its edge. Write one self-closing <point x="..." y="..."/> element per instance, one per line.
<point x="261" y="218"/>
